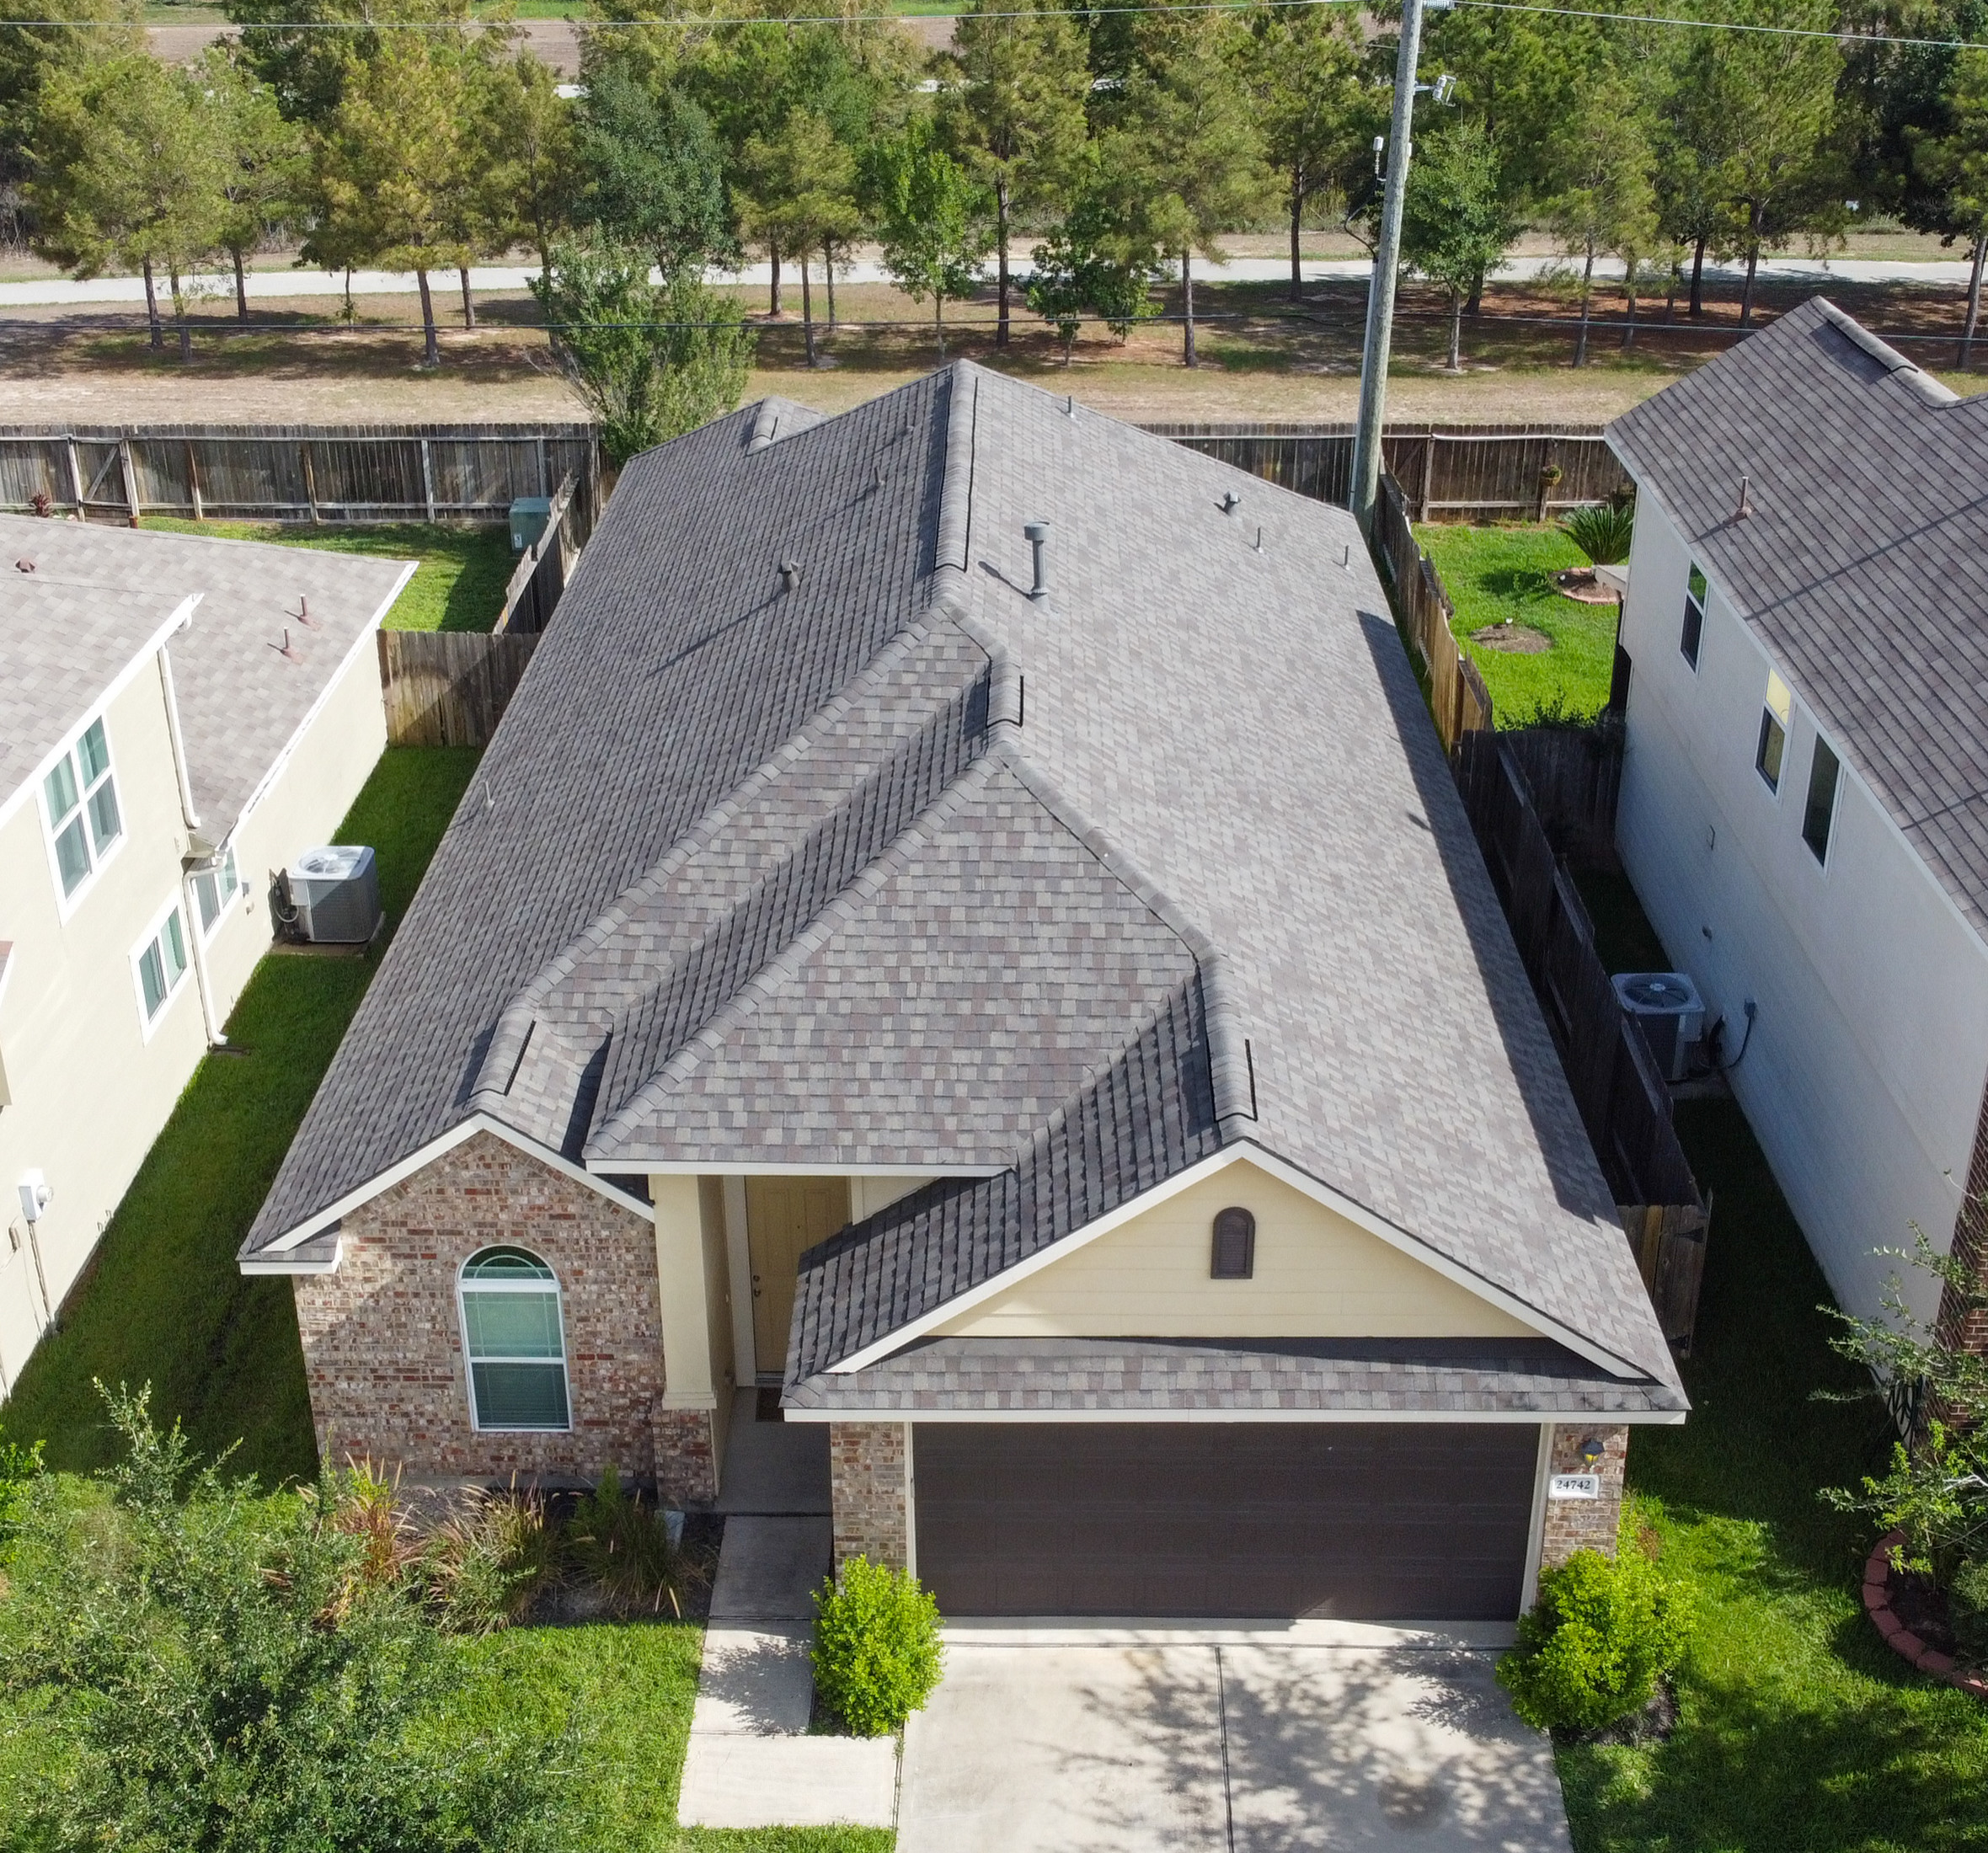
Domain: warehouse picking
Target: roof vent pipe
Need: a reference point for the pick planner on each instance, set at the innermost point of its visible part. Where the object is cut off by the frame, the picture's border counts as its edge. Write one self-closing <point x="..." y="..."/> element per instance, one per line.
<point x="1038" y="535"/>
<point x="1745" y="507"/>
<point x="1230" y="501"/>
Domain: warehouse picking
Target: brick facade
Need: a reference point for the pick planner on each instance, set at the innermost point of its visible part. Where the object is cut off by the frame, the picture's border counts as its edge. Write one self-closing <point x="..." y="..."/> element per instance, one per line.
<point x="382" y="1338"/>
<point x="1964" y="1327"/>
<point x="870" y="1479"/>
<point x="1585" y="1524"/>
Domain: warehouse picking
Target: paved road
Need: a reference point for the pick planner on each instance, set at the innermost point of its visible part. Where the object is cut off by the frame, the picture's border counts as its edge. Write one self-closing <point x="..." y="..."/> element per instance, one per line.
<point x="288" y="285"/>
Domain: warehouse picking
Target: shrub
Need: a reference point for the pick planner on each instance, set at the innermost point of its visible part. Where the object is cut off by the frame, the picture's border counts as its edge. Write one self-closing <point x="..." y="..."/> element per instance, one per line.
<point x="1966" y="1604"/>
<point x="876" y="1650"/>
<point x="622" y="1546"/>
<point x="1601" y="530"/>
<point x="365" y="1505"/>
<point x="488" y="1560"/>
<point x="1594" y="1646"/>
<point x="18" y="1465"/>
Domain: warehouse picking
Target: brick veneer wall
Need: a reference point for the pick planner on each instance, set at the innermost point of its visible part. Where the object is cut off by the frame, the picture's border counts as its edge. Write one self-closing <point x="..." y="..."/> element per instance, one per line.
<point x="383" y="1346"/>
<point x="869" y="1484"/>
<point x="1964" y="1327"/>
<point x="1577" y="1525"/>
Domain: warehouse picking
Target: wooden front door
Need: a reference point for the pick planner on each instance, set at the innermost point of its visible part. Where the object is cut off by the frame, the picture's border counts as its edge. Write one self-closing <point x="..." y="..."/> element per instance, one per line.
<point x="784" y="1217"/>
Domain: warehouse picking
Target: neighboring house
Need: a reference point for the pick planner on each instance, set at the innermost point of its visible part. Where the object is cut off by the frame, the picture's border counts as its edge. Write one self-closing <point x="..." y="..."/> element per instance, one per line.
<point x="174" y="725"/>
<point x="1068" y="1043"/>
<point x="1804" y="799"/>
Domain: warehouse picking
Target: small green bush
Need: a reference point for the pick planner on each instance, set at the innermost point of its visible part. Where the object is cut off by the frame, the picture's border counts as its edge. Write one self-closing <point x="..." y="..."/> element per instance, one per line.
<point x="1966" y="1604"/>
<point x="18" y="1465"/>
<point x="877" y="1652"/>
<point x="622" y="1546"/>
<point x="1594" y="1646"/>
<point x="1601" y="530"/>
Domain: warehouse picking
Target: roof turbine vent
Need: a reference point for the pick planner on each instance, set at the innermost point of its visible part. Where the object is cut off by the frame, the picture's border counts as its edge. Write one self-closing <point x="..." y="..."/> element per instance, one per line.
<point x="1039" y="537"/>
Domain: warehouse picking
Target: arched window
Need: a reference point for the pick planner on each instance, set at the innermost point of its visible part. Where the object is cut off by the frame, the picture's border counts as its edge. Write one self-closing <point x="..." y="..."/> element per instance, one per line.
<point x="514" y="1339"/>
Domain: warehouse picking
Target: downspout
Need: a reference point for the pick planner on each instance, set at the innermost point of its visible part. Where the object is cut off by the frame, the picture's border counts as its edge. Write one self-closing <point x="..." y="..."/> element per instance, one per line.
<point x="189" y="901"/>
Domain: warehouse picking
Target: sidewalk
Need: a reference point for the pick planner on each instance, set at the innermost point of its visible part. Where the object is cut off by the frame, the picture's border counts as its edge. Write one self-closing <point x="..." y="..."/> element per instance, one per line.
<point x="750" y="1762"/>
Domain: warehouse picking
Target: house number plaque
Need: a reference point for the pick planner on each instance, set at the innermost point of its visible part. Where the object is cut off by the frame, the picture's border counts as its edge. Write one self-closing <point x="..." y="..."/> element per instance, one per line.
<point x="1574" y="1486"/>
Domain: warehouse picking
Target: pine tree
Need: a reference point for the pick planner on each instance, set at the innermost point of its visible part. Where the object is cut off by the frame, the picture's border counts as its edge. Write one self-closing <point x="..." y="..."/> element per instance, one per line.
<point x="798" y="191"/>
<point x="1454" y="228"/>
<point x="266" y="161"/>
<point x="1605" y="202"/>
<point x="1954" y="167"/>
<point x="1016" y="114"/>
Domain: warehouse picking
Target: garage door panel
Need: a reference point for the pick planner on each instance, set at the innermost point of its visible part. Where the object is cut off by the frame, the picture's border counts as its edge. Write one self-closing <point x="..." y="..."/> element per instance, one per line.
<point x="1349" y="1521"/>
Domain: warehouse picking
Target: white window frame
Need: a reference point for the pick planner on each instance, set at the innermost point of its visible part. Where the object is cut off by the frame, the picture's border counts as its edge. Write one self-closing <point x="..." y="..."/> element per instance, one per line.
<point x="1821" y="857"/>
<point x="224" y="858"/>
<point x="1694" y="605"/>
<point x="470" y="1361"/>
<point x="67" y="901"/>
<point x="1777" y="709"/>
<point x="148" y="1023"/>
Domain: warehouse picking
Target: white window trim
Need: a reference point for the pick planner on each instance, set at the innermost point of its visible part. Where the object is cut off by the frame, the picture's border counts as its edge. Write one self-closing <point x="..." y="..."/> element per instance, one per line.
<point x="1822" y="863"/>
<point x="148" y="1026"/>
<point x="67" y="904"/>
<point x="476" y="1420"/>
<point x="207" y="934"/>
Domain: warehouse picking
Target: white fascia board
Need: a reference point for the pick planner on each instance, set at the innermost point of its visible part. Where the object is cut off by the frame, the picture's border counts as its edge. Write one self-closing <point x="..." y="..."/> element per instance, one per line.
<point x="1661" y="1418"/>
<point x="697" y="1167"/>
<point x="426" y="1155"/>
<point x="182" y="616"/>
<point x="1266" y="1161"/>
<point x="260" y="1264"/>
<point x="303" y="727"/>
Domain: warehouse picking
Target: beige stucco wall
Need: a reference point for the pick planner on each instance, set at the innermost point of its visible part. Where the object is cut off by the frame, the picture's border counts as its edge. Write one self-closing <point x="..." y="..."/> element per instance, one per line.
<point x="89" y="1091"/>
<point x="300" y="807"/>
<point x="1316" y="1275"/>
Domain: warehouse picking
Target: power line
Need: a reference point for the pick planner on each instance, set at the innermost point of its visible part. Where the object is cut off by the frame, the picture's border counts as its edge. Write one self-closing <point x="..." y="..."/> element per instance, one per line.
<point x="709" y="22"/>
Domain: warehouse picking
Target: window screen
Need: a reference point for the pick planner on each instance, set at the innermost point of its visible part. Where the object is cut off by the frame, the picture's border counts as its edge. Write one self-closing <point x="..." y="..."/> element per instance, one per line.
<point x="512" y="1331"/>
<point x="1694" y="618"/>
<point x="1824" y="771"/>
<point x="1235" y="1245"/>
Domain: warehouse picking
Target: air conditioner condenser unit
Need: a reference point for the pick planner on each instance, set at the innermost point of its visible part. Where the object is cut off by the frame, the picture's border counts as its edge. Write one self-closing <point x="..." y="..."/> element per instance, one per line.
<point x="1669" y="1011"/>
<point x="335" y="892"/>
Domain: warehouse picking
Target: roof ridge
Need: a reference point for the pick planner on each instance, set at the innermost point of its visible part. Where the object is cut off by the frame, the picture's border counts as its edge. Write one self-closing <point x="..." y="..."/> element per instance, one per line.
<point x="712" y="1032"/>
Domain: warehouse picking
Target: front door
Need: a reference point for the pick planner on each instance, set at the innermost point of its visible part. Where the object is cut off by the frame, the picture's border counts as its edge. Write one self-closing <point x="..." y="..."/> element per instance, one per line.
<point x="784" y="1217"/>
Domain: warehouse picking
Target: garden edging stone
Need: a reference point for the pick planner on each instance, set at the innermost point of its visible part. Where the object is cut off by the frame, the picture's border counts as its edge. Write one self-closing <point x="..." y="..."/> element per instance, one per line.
<point x="1876" y="1597"/>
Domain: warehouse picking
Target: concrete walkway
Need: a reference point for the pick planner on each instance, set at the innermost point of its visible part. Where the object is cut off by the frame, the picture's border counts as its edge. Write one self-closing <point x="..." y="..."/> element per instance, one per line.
<point x="288" y="285"/>
<point x="749" y="1762"/>
<point x="1219" y="1739"/>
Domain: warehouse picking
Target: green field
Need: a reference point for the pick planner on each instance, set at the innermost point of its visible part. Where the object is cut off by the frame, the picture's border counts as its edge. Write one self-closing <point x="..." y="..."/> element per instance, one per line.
<point x="459" y="585"/>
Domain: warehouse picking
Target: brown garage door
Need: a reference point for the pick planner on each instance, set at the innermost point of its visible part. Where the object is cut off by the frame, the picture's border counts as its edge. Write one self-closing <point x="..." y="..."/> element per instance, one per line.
<point x="1354" y="1520"/>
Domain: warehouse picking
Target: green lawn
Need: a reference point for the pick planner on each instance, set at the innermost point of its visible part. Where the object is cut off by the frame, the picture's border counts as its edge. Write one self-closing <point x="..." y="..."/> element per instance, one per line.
<point x="1799" y="1729"/>
<point x="166" y="1303"/>
<point x="1498" y="575"/>
<point x="622" y="1694"/>
<point x="458" y="585"/>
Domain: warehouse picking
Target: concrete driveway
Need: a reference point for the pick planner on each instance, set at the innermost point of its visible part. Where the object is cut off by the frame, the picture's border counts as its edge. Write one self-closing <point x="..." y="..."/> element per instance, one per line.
<point x="1224" y="1739"/>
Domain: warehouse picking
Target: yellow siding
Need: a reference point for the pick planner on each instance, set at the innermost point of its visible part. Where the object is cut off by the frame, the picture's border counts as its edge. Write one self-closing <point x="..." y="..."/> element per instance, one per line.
<point x="1316" y="1275"/>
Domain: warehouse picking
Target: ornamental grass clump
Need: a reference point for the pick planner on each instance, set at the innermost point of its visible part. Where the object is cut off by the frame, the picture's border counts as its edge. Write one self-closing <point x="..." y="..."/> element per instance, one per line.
<point x="622" y="1546"/>
<point x="877" y="1652"/>
<point x="1602" y="530"/>
<point x="1604" y="1631"/>
<point x="491" y="1560"/>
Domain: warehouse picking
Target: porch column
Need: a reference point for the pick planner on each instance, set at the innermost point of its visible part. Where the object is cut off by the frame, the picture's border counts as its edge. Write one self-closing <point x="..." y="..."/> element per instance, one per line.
<point x="870" y="1481"/>
<point x="688" y="1437"/>
<point x="1588" y="1511"/>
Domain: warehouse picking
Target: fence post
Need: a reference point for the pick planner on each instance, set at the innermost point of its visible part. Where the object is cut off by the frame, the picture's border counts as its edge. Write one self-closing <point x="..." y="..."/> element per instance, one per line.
<point x="428" y="480"/>
<point x="193" y="482"/>
<point x="75" y="475"/>
<point x="310" y="482"/>
<point x="1428" y="471"/>
<point x="130" y="478"/>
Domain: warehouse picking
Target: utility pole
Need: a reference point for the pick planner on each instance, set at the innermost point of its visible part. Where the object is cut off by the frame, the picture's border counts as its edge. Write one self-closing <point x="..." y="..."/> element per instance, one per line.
<point x="1380" y="318"/>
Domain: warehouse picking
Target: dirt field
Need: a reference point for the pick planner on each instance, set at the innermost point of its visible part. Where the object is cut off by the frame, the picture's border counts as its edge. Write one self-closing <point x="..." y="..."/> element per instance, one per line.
<point x="1261" y="357"/>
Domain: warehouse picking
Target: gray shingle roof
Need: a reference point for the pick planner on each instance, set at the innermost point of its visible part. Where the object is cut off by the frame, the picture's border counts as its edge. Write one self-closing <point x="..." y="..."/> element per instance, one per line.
<point x="902" y="866"/>
<point x="1394" y="1376"/>
<point x="98" y="594"/>
<point x="1864" y="568"/>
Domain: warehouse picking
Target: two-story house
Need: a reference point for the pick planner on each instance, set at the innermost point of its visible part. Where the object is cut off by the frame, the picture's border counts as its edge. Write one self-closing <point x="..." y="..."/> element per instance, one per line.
<point x="178" y="717"/>
<point x="1805" y="800"/>
<point x="967" y="933"/>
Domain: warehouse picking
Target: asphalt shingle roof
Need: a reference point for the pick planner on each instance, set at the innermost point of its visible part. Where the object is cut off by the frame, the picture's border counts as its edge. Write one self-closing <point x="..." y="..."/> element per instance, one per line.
<point x="1518" y="1377"/>
<point x="98" y="595"/>
<point x="902" y="866"/>
<point x="1864" y="568"/>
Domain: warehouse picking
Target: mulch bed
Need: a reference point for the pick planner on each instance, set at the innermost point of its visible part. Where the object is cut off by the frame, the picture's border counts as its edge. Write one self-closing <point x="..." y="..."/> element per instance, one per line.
<point x="1911" y="1613"/>
<point x="1653" y="1724"/>
<point x="1514" y="639"/>
<point x="1579" y="583"/>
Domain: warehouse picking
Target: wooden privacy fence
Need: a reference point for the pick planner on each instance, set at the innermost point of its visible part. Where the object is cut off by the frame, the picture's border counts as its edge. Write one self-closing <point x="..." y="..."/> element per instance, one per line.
<point x="449" y="688"/>
<point x="540" y="578"/>
<point x="300" y="473"/>
<point x="1623" y="1101"/>
<point x="1446" y="471"/>
<point x="1457" y="696"/>
<point x="1574" y="776"/>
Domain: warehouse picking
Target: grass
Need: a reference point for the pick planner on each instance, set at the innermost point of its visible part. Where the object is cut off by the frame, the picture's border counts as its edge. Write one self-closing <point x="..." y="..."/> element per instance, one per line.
<point x="1798" y="1729"/>
<point x="623" y="1695"/>
<point x="163" y="1302"/>
<point x="459" y="585"/>
<point x="1499" y="576"/>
